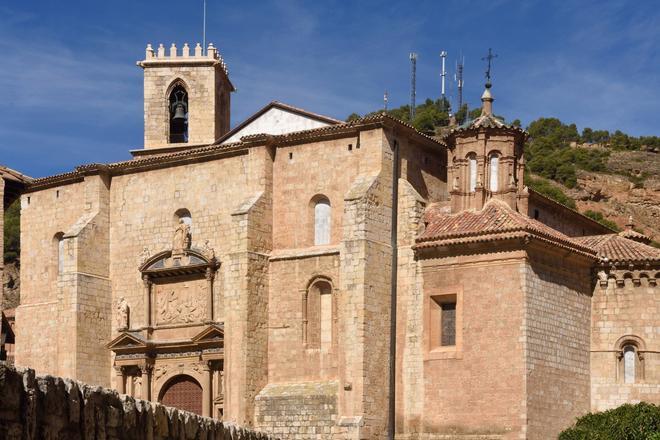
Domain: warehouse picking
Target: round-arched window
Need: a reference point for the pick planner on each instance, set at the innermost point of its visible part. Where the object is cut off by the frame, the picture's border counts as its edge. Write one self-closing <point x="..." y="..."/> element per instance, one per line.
<point x="629" y="354"/>
<point x="182" y="392"/>
<point x="322" y="213"/>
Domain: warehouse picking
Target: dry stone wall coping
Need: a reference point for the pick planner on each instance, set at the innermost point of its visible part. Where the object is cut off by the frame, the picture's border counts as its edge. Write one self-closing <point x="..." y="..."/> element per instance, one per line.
<point x="45" y="407"/>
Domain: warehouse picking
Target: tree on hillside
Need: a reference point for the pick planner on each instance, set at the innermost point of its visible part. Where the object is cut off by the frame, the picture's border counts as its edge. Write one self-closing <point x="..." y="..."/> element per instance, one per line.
<point x="12" y="232"/>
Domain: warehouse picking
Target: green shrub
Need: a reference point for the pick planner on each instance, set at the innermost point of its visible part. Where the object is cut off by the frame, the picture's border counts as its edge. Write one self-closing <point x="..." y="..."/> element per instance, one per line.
<point x="600" y="218"/>
<point x="543" y="186"/>
<point x="627" y="422"/>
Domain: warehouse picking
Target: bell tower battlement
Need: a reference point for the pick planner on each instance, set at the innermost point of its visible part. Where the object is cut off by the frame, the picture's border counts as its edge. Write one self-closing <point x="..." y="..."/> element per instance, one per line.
<point x="186" y="96"/>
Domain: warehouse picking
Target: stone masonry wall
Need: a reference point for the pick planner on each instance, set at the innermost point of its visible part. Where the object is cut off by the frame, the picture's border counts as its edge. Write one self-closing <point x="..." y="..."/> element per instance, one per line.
<point x="556" y="334"/>
<point x="298" y="411"/>
<point x="50" y="407"/>
<point x="625" y="308"/>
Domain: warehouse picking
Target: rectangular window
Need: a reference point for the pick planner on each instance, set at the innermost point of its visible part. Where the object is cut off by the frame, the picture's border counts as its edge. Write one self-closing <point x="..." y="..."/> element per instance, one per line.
<point x="448" y="324"/>
<point x="443" y="322"/>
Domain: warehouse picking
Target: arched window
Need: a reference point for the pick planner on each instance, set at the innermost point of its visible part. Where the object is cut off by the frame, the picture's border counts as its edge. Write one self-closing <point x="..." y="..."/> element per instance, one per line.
<point x="319" y="315"/>
<point x="322" y="224"/>
<point x="629" y="355"/>
<point x="182" y="392"/>
<point x="494" y="172"/>
<point x="472" y="167"/>
<point x="178" y="113"/>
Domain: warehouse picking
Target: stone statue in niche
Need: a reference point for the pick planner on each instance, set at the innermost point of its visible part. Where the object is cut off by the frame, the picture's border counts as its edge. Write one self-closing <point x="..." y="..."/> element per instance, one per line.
<point x="181" y="241"/>
<point x="122" y="314"/>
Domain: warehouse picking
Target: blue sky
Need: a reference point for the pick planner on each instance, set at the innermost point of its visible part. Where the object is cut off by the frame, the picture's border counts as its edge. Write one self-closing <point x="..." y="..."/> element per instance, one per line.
<point x="71" y="93"/>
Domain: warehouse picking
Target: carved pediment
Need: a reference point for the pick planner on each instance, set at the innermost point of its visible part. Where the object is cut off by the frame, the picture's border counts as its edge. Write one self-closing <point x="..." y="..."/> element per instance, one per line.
<point x="188" y="262"/>
<point x="212" y="333"/>
<point x="127" y="341"/>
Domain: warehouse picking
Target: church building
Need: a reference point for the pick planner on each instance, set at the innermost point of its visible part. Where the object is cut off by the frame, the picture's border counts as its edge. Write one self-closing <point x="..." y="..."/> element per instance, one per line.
<point x="268" y="274"/>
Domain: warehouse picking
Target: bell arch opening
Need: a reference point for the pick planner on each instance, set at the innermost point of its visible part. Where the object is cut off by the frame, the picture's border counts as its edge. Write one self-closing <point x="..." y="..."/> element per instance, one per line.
<point x="178" y="114"/>
<point x="182" y="392"/>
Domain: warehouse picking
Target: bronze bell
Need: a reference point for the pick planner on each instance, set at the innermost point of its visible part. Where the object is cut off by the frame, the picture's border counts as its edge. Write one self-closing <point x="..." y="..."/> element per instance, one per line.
<point x="179" y="111"/>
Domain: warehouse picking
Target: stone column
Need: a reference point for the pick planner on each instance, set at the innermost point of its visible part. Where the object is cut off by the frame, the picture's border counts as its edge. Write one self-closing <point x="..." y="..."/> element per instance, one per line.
<point x="148" y="322"/>
<point x="146" y="382"/>
<point x="207" y="388"/>
<point x="209" y="297"/>
<point x="121" y="384"/>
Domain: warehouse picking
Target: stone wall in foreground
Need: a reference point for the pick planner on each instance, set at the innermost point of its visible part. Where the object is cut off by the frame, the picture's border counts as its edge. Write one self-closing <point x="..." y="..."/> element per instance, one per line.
<point x="53" y="408"/>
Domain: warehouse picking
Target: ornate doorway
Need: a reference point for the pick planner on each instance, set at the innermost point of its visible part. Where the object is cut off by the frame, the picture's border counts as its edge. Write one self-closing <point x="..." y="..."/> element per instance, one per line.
<point x="182" y="392"/>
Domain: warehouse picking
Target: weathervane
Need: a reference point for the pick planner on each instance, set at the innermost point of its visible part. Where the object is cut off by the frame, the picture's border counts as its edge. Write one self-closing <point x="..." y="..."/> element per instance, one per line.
<point x="489" y="58"/>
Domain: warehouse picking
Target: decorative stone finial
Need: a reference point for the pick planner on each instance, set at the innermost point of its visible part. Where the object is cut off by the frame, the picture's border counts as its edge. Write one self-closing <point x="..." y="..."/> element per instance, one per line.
<point x="161" y="50"/>
<point x="186" y="50"/>
<point x="631" y="224"/>
<point x="173" y="50"/>
<point x="211" y="51"/>
<point x="198" y="50"/>
<point x="149" y="51"/>
<point x="487" y="101"/>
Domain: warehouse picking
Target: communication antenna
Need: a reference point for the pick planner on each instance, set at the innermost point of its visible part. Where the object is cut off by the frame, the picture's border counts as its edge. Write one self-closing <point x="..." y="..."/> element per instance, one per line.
<point x="459" y="80"/>
<point x="204" y="30"/>
<point x="413" y="92"/>
<point x="385" y="97"/>
<point x="443" y="55"/>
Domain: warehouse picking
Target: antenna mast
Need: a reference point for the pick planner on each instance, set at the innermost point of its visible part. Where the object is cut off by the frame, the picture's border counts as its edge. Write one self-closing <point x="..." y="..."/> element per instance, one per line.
<point x="459" y="80"/>
<point x="204" y="30"/>
<point x="413" y="92"/>
<point x="443" y="55"/>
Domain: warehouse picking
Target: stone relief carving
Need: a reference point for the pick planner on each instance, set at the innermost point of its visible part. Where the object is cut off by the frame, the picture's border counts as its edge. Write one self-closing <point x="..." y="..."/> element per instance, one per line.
<point x="122" y="314"/>
<point x="208" y="251"/>
<point x="144" y="255"/>
<point x="181" y="241"/>
<point x="173" y="309"/>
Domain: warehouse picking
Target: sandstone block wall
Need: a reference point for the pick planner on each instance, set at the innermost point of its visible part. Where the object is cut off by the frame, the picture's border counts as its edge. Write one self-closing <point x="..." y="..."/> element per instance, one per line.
<point x="557" y="337"/>
<point x="50" y="407"/>
<point x="301" y="411"/>
<point x="625" y="309"/>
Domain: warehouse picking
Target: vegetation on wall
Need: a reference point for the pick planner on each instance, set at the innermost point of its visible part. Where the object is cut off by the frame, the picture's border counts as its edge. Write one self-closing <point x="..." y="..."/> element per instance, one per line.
<point x="545" y="187"/>
<point x="598" y="216"/>
<point x="627" y="422"/>
<point x="12" y="233"/>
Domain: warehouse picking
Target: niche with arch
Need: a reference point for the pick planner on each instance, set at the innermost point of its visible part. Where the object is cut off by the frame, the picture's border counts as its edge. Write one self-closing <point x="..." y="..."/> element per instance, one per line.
<point x="57" y="252"/>
<point x="319" y="314"/>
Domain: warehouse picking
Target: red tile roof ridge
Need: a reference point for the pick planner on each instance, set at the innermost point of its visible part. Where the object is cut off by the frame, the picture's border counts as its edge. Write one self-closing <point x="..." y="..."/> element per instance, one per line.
<point x="495" y="219"/>
<point x="617" y="248"/>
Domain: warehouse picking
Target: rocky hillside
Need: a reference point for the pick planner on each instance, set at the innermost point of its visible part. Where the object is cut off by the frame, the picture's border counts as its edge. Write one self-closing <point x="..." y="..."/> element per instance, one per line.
<point x="11" y="284"/>
<point x="629" y="187"/>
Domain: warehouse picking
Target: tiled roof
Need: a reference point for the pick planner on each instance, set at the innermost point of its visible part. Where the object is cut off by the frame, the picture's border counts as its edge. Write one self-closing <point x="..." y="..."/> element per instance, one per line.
<point x="496" y="221"/>
<point x="619" y="248"/>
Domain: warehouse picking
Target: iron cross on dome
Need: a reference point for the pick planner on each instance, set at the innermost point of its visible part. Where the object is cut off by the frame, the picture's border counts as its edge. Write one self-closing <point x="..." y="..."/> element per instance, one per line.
<point x="489" y="58"/>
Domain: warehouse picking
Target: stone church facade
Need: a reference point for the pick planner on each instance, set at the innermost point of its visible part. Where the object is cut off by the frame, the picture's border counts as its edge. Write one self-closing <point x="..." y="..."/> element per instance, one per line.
<point x="248" y="274"/>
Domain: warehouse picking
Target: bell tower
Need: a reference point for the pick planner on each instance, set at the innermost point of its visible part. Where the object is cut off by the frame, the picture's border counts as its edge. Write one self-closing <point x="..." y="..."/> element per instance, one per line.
<point x="186" y="96"/>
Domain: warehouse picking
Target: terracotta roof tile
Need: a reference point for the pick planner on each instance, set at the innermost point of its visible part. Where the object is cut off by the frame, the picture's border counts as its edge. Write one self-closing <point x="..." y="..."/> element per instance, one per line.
<point x="495" y="221"/>
<point x="618" y="248"/>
